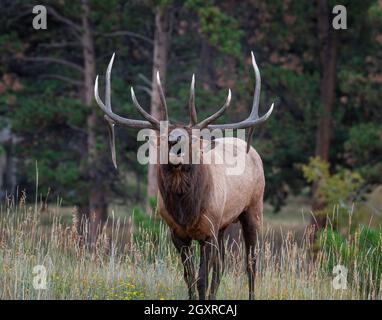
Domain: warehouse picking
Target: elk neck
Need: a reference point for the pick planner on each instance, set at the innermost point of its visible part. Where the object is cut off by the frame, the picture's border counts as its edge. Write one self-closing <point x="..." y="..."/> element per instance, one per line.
<point x="184" y="190"/>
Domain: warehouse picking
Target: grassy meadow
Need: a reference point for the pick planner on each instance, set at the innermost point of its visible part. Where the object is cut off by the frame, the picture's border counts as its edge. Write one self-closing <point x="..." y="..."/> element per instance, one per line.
<point x="134" y="259"/>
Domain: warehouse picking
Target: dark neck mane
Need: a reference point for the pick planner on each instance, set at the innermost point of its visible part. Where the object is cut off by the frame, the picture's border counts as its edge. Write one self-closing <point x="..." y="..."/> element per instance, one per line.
<point x="184" y="190"/>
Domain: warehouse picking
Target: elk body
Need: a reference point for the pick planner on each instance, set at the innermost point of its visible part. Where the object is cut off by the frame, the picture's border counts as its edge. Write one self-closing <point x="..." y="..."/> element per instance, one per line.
<point x="198" y="201"/>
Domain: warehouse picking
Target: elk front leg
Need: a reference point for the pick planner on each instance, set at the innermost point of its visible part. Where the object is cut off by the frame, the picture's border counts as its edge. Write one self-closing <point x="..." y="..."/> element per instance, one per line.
<point x="184" y="248"/>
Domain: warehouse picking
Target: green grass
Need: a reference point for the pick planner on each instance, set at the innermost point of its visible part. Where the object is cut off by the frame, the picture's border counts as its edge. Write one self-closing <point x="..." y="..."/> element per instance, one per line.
<point x="146" y="265"/>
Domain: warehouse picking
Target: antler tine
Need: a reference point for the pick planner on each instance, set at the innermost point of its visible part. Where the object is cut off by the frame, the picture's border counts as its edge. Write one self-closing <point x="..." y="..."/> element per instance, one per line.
<point x="216" y="115"/>
<point x="108" y="82"/>
<point x="162" y="97"/>
<point x="142" y="111"/>
<point x="110" y="122"/>
<point x="191" y="103"/>
<point x="256" y="96"/>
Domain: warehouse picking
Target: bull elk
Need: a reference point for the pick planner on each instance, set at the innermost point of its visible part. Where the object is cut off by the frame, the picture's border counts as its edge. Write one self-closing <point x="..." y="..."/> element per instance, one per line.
<point x="199" y="201"/>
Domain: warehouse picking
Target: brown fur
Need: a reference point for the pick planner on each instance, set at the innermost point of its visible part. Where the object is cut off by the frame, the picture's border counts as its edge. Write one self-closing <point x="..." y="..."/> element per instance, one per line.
<point x="182" y="189"/>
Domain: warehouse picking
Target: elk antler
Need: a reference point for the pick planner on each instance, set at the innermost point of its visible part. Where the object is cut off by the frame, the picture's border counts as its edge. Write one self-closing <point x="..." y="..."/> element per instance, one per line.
<point x="253" y="118"/>
<point x="113" y="118"/>
<point x="152" y="123"/>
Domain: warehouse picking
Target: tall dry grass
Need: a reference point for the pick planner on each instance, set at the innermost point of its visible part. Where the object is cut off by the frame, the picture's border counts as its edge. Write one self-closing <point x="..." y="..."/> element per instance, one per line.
<point x="147" y="267"/>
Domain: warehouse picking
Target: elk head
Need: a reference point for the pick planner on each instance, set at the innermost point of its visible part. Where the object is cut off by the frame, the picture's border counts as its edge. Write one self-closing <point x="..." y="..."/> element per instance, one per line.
<point x="178" y="133"/>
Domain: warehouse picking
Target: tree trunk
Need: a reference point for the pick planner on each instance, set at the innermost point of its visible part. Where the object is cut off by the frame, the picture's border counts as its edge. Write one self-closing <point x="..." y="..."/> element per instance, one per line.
<point x="8" y="169"/>
<point x="328" y="59"/>
<point x="97" y="200"/>
<point x="161" y="45"/>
